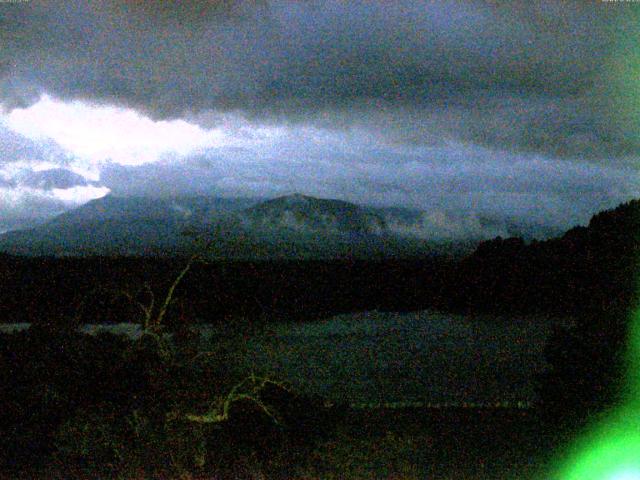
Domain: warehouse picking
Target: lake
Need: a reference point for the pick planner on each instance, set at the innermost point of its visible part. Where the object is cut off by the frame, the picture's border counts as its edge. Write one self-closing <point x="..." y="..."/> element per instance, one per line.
<point x="372" y="358"/>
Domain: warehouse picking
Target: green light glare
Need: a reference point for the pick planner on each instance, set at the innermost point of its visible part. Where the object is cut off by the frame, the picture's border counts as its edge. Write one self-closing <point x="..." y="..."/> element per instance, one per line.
<point x="611" y="449"/>
<point x="627" y="475"/>
<point x="610" y="452"/>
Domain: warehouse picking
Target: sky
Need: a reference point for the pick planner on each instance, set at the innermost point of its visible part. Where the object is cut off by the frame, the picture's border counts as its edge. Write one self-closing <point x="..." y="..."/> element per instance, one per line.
<point x="527" y="110"/>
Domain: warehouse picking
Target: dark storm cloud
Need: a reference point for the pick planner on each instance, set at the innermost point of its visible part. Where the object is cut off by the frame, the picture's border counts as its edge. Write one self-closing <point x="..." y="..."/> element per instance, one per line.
<point x="516" y="76"/>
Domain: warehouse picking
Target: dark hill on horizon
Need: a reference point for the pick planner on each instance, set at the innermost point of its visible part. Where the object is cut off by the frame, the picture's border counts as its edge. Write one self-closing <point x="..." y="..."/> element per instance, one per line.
<point x="288" y="227"/>
<point x="120" y="226"/>
<point x="589" y="269"/>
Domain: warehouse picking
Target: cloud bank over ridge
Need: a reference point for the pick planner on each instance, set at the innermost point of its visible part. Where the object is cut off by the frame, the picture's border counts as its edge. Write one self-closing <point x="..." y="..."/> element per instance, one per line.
<point x="517" y="109"/>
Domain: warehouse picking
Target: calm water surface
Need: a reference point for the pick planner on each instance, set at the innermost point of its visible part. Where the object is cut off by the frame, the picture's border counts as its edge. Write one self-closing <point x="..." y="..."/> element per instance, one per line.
<point x="375" y="357"/>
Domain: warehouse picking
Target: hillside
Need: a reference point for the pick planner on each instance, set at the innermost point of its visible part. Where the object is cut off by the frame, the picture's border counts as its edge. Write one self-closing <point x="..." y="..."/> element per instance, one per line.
<point x="587" y="269"/>
<point x="314" y="215"/>
<point x="121" y="226"/>
<point x="289" y="227"/>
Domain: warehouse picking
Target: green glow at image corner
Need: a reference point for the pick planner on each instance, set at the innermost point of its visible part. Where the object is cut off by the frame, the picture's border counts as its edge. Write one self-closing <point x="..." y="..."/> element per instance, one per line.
<point x="611" y="450"/>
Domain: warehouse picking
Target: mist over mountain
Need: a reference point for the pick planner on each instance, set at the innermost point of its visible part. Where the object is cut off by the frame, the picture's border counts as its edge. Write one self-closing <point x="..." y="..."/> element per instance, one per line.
<point x="291" y="226"/>
<point x="308" y="214"/>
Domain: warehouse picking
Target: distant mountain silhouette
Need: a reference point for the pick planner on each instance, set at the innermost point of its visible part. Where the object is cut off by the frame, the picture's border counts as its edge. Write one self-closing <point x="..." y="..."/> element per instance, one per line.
<point x="292" y="226"/>
<point x="303" y="227"/>
<point x="121" y="226"/>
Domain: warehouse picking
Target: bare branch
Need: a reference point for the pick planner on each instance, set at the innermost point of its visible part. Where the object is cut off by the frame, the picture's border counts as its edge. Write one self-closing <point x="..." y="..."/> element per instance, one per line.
<point x="169" y="297"/>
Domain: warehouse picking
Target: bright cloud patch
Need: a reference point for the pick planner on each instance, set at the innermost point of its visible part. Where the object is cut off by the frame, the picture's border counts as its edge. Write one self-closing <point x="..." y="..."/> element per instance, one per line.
<point x="104" y="133"/>
<point x="23" y="207"/>
<point x="78" y="195"/>
<point x="53" y="154"/>
<point x="34" y="191"/>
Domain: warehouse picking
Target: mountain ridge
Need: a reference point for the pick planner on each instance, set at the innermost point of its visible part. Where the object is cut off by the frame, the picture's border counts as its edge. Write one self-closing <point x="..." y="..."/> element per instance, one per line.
<point x="289" y="226"/>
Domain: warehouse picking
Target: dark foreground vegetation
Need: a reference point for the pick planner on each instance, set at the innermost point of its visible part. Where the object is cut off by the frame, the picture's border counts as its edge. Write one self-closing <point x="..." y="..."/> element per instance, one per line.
<point x="80" y="406"/>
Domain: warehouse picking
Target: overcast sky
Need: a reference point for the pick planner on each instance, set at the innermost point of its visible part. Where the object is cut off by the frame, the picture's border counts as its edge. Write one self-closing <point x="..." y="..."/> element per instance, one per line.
<point x="525" y="109"/>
